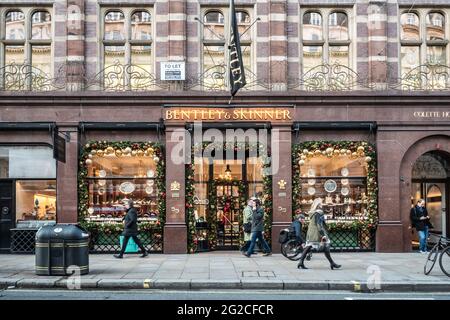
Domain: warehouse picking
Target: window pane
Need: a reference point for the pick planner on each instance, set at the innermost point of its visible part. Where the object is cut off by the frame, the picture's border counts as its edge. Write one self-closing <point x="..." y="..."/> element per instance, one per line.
<point x="339" y="55"/>
<point x="114" y="63"/>
<point x="27" y="162"/>
<point x="15" y="25"/>
<point x="200" y="201"/>
<point x="14" y="60"/>
<point x="201" y="169"/>
<point x="41" y="25"/>
<point x="312" y="26"/>
<point x="256" y="190"/>
<point x="246" y="57"/>
<point x="141" y="61"/>
<point x="141" y="26"/>
<point x="41" y="60"/>
<point x="435" y="26"/>
<point x="338" y="26"/>
<point x="36" y="200"/>
<point x="436" y="55"/>
<point x="231" y="169"/>
<point x="114" y="26"/>
<point x="106" y="199"/>
<point x="410" y="29"/>
<point x="214" y="67"/>
<point x="312" y="57"/>
<point x="342" y="165"/>
<point x="410" y="59"/>
<point x="243" y="20"/>
<point x="14" y="54"/>
<point x="115" y="165"/>
<point x="213" y="26"/>
<point x="254" y="169"/>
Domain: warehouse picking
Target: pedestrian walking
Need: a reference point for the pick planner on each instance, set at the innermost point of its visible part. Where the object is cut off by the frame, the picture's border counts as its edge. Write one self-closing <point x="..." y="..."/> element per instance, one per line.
<point x="421" y="222"/>
<point x="130" y="230"/>
<point x="317" y="235"/>
<point x="247" y="225"/>
<point x="257" y="229"/>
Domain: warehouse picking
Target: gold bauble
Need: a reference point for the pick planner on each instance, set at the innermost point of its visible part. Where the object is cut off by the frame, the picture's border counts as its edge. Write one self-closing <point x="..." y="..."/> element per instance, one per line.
<point x="336" y="151"/>
<point x="301" y="162"/>
<point x="140" y="153"/>
<point x="329" y="150"/>
<point x="127" y="150"/>
<point x="360" y="149"/>
<point x="109" y="150"/>
<point x="354" y="154"/>
<point x="93" y="152"/>
<point x="100" y="153"/>
<point x="310" y="154"/>
<point x="324" y="153"/>
<point x="156" y="159"/>
<point x="305" y="151"/>
<point x="343" y="151"/>
<point x="317" y="152"/>
<point x="134" y="153"/>
<point x="150" y="150"/>
<point x="118" y="153"/>
<point x="88" y="162"/>
<point x="368" y="159"/>
<point x="90" y="156"/>
<point x="303" y="157"/>
<point x="349" y="152"/>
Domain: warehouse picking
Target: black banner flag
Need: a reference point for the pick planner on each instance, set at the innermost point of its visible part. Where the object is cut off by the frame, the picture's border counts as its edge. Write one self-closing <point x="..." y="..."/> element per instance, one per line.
<point x="237" y="74"/>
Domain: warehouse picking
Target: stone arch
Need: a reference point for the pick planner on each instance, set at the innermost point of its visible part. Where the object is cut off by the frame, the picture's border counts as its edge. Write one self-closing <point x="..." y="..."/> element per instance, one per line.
<point x="436" y="142"/>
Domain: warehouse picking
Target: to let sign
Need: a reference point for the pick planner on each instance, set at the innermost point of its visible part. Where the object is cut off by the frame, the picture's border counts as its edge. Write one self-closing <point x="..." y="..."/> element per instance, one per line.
<point x="173" y="71"/>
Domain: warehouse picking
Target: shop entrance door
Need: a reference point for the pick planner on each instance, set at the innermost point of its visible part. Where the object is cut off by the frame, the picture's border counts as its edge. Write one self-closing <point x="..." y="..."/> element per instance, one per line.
<point x="228" y="211"/>
<point x="6" y="215"/>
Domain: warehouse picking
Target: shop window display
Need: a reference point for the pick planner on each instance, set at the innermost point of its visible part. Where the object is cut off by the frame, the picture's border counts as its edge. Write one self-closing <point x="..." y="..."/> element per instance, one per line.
<point x="35" y="200"/>
<point x="343" y="174"/>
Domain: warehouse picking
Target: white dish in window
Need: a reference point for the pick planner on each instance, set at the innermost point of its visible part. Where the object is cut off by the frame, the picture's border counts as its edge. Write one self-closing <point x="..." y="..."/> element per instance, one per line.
<point x="345" y="191"/>
<point x="101" y="191"/>
<point x="344" y="172"/>
<point x="311" y="182"/>
<point x="149" y="190"/>
<point x="102" y="173"/>
<point x="150" y="173"/>
<point x="101" y="182"/>
<point x="150" y="182"/>
<point x="344" y="182"/>
<point x="127" y="187"/>
<point x="311" y="191"/>
<point x="330" y="186"/>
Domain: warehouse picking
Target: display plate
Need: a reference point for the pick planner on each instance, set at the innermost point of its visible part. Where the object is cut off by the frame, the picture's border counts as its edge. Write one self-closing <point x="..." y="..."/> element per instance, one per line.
<point x="311" y="191"/>
<point x="127" y="187"/>
<point x="344" y="172"/>
<point x="345" y="191"/>
<point x="330" y="186"/>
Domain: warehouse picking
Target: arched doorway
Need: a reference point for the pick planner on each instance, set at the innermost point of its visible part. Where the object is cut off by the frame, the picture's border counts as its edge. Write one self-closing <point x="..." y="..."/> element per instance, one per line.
<point x="431" y="182"/>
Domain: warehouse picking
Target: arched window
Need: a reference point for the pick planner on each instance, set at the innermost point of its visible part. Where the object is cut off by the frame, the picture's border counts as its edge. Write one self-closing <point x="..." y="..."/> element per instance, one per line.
<point x="141" y="26"/>
<point x="312" y="26"/>
<point x="15" y="25"/>
<point x="114" y="26"/>
<point x="243" y="20"/>
<point x="338" y="26"/>
<point x="41" y="23"/>
<point x="410" y="26"/>
<point x="214" y="26"/>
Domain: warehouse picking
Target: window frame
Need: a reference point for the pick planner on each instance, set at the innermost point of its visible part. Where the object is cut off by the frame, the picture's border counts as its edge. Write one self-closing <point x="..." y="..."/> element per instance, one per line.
<point x="27" y="42"/>
<point x="325" y="43"/>
<point x="128" y="42"/>
<point x="244" y="43"/>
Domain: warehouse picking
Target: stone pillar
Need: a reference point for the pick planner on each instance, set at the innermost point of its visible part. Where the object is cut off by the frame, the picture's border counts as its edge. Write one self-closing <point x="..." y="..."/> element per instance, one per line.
<point x="281" y="143"/>
<point x="389" y="237"/>
<point x="175" y="229"/>
<point x="75" y="45"/>
<point x="278" y="44"/>
<point x="67" y="179"/>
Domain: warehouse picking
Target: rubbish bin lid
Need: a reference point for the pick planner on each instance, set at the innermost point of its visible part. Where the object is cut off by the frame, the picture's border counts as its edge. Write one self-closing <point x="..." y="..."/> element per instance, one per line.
<point x="61" y="231"/>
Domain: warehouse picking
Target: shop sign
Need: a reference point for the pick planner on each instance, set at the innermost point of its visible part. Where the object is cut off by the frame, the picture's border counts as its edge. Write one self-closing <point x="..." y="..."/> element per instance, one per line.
<point x="432" y="114"/>
<point x="236" y="114"/>
<point x="172" y="71"/>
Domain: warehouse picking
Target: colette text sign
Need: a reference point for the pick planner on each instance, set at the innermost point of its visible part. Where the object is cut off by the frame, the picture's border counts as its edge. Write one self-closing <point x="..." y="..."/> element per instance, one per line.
<point x="236" y="114"/>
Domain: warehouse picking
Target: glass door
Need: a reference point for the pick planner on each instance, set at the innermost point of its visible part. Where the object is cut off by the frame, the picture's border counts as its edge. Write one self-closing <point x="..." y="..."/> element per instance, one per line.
<point x="6" y="215"/>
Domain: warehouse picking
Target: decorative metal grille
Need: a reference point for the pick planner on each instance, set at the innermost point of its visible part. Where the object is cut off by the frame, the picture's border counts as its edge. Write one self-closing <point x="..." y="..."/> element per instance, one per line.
<point x="360" y="240"/>
<point x="25" y="77"/>
<point x="23" y="241"/>
<point x="109" y="243"/>
<point x="425" y="77"/>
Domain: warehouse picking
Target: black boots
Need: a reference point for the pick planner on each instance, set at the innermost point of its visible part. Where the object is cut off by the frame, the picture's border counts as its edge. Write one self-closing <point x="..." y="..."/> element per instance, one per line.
<point x="301" y="263"/>
<point x="118" y="256"/>
<point x="333" y="265"/>
<point x="144" y="254"/>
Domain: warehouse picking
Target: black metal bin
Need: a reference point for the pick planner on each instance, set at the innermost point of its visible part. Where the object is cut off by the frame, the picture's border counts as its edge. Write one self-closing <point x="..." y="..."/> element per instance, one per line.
<point x="62" y="246"/>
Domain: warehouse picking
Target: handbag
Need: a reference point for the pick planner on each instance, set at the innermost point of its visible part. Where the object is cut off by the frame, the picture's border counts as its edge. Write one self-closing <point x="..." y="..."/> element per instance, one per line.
<point x="247" y="227"/>
<point x="132" y="247"/>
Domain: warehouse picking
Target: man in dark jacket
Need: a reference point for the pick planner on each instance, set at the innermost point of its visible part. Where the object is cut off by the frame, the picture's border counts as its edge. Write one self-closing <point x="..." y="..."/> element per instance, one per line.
<point x="257" y="229"/>
<point x="421" y="222"/>
<point x="130" y="230"/>
<point x="296" y="226"/>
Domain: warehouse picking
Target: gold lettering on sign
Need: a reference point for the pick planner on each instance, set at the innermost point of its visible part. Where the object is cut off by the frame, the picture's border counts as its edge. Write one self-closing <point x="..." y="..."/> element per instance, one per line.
<point x="240" y="114"/>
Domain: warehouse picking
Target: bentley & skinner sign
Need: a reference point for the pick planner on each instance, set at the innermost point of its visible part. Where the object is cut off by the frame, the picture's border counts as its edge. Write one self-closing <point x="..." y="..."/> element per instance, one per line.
<point x="237" y="114"/>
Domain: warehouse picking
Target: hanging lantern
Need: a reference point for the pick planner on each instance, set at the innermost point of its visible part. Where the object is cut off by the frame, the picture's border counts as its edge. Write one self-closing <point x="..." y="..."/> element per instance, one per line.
<point x="118" y="153"/>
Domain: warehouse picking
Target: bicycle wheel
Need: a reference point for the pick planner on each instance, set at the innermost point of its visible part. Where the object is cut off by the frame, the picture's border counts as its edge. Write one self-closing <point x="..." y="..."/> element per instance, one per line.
<point x="291" y="249"/>
<point x="431" y="259"/>
<point x="444" y="261"/>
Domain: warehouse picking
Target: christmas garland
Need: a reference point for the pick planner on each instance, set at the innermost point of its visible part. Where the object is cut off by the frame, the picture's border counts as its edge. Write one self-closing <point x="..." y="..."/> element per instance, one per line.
<point x="212" y="216"/>
<point x="354" y="149"/>
<point x="139" y="149"/>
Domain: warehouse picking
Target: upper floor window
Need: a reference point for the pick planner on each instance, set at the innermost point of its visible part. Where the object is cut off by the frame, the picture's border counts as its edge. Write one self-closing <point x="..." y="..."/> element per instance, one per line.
<point x="325" y="39"/>
<point x="26" y="48"/>
<point x="215" y="58"/>
<point x="423" y="42"/>
<point x="127" y="48"/>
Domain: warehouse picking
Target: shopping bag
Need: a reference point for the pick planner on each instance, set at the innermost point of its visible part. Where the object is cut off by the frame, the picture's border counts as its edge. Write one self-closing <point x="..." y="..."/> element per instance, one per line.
<point x="132" y="247"/>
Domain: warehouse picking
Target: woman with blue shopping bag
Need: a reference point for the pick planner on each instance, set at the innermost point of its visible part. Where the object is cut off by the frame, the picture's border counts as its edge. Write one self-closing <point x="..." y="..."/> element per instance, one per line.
<point x="130" y="230"/>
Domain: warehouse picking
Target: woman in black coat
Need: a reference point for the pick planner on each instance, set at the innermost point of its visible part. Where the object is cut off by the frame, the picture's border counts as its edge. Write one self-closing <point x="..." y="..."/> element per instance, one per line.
<point x="131" y="230"/>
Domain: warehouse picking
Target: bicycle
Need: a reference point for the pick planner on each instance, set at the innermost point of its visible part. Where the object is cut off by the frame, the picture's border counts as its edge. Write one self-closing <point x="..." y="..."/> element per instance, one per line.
<point x="441" y="249"/>
<point x="292" y="249"/>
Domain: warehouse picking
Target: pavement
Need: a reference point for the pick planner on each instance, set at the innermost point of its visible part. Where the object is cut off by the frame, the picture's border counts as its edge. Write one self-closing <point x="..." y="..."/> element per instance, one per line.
<point x="363" y="272"/>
